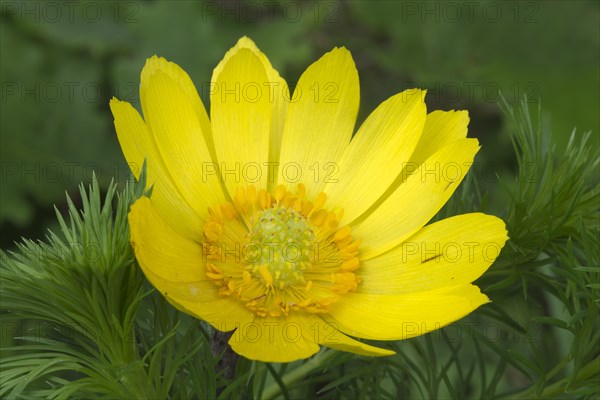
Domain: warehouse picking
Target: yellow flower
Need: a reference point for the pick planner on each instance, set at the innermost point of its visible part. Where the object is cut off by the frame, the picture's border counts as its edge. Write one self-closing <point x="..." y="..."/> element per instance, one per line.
<point x="272" y="220"/>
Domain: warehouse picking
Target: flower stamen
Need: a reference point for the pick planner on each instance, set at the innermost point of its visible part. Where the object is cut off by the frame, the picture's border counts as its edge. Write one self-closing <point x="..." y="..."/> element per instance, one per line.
<point x="280" y="253"/>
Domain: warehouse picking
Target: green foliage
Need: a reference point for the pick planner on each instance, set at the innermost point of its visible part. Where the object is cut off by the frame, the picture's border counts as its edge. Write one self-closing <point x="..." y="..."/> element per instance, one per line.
<point x="82" y="321"/>
<point x="52" y="128"/>
<point x="71" y="302"/>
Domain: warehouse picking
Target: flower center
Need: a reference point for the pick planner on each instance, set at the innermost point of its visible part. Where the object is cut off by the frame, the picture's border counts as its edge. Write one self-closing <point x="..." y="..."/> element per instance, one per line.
<point x="279" y="253"/>
<point x="281" y="240"/>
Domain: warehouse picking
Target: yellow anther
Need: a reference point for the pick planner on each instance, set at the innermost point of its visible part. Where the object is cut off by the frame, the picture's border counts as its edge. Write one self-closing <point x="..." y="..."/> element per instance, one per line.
<point x="211" y="250"/>
<point x="246" y="277"/>
<point x="344" y="255"/>
<point x="214" y="276"/>
<point x="352" y="247"/>
<point x="318" y="217"/>
<point x="297" y="205"/>
<point x="301" y="191"/>
<point x="279" y="193"/>
<point x="224" y="291"/>
<point x="251" y="304"/>
<point x="320" y="200"/>
<point x="350" y="265"/>
<point x="304" y="303"/>
<point x="261" y="312"/>
<point x="266" y="275"/>
<point x="307" y="208"/>
<point x="327" y="301"/>
<point x="345" y="242"/>
<point x="213" y="268"/>
<point x="330" y="220"/>
<point x="308" y="286"/>
<point x="251" y="196"/>
<point x="228" y="210"/>
<point x="344" y="282"/>
<point x="213" y="230"/>
<point x="263" y="199"/>
<point x="342" y="234"/>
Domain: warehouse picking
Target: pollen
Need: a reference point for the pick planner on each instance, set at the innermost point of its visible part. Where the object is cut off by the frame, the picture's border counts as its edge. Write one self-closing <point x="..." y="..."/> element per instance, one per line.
<point x="280" y="253"/>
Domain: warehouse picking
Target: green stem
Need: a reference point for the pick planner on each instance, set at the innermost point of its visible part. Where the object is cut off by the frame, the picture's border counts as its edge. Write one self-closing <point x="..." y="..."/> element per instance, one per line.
<point x="557" y="388"/>
<point x="297" y="374"/>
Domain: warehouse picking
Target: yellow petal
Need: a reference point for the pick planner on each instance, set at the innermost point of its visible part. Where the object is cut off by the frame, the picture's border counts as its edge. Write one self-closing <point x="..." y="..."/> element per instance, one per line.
<point x="174" y="266"/>
<point x="441" y="129"/>
<point x="417" y="200"/>
<point x="163" y="251"/>
<point x="319" y="122"/>
<point x="179" y="137"/>
<point x="225" y="314"/>
<point x="240" y="111"/>
<point x="202" y="300"/>
<point x="245" y="43"/>
<point x="377" y="153"/>
<point x="394" y="317"/>
<point x="182" y="79"/>
<point x="328" y="334"/>
<point x="278" y="93"/>
<point x="138" y="144"/>
<point x="450" y="252"/>
<point x="274" y="339"/>
<point x="197" y="298"/>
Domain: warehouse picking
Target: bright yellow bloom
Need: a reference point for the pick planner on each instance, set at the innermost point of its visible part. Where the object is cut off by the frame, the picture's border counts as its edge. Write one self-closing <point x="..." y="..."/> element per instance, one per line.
<point x="272" y="220"/>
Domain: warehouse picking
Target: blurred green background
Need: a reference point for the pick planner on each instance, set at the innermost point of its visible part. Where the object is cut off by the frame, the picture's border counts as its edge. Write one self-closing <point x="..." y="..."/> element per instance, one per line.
<point x="62" y="61"/>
